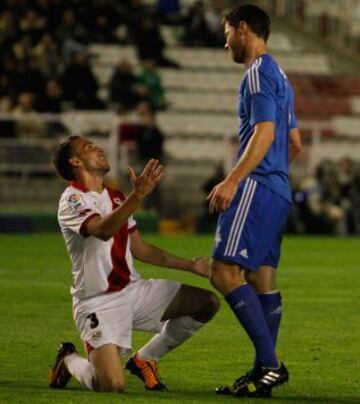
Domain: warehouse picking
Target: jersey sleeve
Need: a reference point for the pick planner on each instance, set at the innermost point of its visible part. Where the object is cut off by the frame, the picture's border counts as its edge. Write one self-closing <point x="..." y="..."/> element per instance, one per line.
<point x="292" y="117"/>
<point x="262" y="96"/>
<point x="132" y="225"/>
<point x="75" y="211"/>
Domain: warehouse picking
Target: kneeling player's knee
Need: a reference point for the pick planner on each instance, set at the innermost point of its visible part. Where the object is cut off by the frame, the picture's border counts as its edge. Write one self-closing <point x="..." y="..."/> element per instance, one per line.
<point x="112" y="385"/>
<point x="211" y="306"/>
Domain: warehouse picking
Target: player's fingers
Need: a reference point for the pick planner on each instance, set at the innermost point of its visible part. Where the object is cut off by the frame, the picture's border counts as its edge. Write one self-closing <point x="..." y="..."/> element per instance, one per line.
<point x="159" y="170"/>
<point x="211" y="194"/>
<point x="132" y="174"/>
<point x="159" y="178"/>
<point x="213" y="204"/>
<point x="148" y="168"/>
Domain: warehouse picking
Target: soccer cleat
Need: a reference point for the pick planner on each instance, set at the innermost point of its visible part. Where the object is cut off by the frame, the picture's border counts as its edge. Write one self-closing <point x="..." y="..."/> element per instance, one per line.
<point x="147" y="371"/>
<point x="257" y="384"/>
<point x="59" y="375"/>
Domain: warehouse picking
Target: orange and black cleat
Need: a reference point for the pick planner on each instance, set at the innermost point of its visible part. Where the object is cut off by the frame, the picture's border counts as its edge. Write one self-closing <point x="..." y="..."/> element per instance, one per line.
<point x="59" y="375"/>
<point x="147" y="371"/>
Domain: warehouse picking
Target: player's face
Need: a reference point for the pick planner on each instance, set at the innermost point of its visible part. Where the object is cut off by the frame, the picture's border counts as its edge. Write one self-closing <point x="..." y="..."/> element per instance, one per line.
<point x="90" y="156"/>
<point x="235" y="42"/>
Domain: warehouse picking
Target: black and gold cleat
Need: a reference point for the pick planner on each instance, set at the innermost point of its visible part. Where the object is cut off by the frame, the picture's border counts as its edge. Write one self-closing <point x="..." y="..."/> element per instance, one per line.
<point x="59" y="375"/>
<point x="147" y="371"/>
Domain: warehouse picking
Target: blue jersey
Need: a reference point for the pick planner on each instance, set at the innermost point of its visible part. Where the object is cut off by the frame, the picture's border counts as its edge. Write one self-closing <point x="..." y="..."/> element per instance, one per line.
<point x="266" y="95"/>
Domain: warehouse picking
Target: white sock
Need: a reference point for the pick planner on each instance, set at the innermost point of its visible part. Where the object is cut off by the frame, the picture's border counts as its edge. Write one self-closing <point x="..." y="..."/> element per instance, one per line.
<point x="174" y="333"/>
<point x="81" y="369"/>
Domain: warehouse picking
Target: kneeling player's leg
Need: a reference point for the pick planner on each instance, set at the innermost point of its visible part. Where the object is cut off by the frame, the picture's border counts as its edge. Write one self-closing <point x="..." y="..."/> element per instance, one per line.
<point x="108" y="369"/>
<point x="190" y="309"/>
<point x="230" y="280"/>
<point x="104" y="371"/>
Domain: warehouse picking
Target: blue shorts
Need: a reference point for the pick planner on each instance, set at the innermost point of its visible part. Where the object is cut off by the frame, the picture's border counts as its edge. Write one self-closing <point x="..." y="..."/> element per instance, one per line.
<point x="249" y="232"/>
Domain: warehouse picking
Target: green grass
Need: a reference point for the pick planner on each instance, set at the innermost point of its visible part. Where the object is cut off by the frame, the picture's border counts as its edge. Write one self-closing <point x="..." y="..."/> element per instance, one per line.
<point x="319" y="339"/>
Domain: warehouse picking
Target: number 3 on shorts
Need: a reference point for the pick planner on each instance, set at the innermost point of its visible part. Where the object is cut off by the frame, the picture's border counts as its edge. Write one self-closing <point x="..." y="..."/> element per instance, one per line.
<point x="94" y="320"/>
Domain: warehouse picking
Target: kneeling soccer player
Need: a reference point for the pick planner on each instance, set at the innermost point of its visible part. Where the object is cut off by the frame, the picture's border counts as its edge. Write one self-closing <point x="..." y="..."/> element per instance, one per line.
<point x="109" y="297"/>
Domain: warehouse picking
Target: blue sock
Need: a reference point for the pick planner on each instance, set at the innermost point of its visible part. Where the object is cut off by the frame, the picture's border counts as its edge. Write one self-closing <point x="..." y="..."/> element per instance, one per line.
<point x="247" y="308"/>
<point x="271" y="307"/>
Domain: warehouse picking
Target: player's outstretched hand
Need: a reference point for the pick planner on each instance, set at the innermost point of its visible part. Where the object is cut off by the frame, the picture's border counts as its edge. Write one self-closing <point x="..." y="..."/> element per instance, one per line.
<point x="148" y="179"/>
<point x="222" y="195"/>
<point x="200" y="266"/>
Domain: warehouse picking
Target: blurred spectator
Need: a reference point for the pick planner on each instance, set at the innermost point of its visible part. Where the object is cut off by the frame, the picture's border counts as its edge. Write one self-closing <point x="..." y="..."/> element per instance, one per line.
<point x="50" y="101"/>
<point x="207" y="222"/>
<point x="151" y="138"/>
<point x="318" y="202"/>
<point x="8" y="26"/>
<point x="102" y="20"/>
<point x="6" y="93"/>
<point x="22" y="49"/>
<point x="150" y="145"/>
<point x="124" y="87"/>
<point x="25" y="104"/>
<point x="71" y="35"/>
<point x="27" y="77"/>
<point x="29" y="125"/>
<point x="202" y="27"/>
<point x="33" y="25"/>
<point x="150" y="44"/>
<point x="169" y="11"/>
<point x="151" y="80"/>
<point x="80" y="85"/>
<point x="47" y="55"/>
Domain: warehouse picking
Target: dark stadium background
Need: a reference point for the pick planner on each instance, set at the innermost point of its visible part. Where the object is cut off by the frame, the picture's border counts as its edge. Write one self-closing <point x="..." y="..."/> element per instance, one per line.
<point x="151" y="78"/>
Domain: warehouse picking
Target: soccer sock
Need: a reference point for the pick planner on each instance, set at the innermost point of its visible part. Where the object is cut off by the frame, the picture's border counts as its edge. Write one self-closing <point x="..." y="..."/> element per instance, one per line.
<point x="81" y="369"/>
<point x="173" y="333"/>
<point x="247" y="308"/>
<point x="271" y="306"/>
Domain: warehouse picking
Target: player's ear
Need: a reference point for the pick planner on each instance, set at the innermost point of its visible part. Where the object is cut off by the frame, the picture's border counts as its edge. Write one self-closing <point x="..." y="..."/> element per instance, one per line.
<point x="74" y="161"/>
<point x="242" y="28"/>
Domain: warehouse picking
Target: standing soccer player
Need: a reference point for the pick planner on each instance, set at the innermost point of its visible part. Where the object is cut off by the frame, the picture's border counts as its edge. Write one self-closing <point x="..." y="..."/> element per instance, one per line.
<point x="110" y="299"/>
<point x="255" y="199"/>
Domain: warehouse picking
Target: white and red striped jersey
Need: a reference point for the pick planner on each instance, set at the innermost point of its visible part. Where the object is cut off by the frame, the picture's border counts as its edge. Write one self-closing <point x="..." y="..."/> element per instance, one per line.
<point x="98" y="266"/>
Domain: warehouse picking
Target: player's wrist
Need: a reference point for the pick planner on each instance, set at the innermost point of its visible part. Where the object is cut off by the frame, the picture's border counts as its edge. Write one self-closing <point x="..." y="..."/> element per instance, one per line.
<point x="233" y="178"/>
<point x="137" y="196"/>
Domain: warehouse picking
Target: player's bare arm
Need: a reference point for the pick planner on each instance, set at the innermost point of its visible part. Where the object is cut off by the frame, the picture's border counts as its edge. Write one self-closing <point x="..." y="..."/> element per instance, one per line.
<point x="295" y="144"/>
<point x="104" y="227"/>
<point x="223" y="193"/>
<point x="151" y="254"/>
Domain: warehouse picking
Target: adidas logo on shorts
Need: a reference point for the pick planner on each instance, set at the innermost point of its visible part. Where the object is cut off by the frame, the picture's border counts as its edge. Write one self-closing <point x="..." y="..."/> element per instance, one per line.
<point x="244" y="253"/>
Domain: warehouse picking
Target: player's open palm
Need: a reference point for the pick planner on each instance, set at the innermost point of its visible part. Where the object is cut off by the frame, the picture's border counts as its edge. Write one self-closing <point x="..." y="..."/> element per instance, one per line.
<point x="221" y="196"/>
<point x="150" y="177"/>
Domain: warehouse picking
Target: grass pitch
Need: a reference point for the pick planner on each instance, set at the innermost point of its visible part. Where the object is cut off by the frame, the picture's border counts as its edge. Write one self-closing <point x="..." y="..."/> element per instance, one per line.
<point x="319" y="338"/>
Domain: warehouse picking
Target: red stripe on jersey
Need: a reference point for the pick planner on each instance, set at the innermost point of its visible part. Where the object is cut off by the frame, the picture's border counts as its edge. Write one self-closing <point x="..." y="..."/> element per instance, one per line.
<point x="119" y="277"/>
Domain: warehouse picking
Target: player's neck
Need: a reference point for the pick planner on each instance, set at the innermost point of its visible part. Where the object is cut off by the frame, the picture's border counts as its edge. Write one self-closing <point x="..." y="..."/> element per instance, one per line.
<point x="257" y="49"/>
<point x="92" y="182"/>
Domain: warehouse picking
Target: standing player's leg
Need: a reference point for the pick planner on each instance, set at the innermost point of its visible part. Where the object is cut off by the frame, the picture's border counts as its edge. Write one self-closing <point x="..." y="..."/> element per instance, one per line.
<point x="230" y="280"/>
<point x="102" y="372"/>
<point x="189" y="310"/>
<point x="264" y="284"/>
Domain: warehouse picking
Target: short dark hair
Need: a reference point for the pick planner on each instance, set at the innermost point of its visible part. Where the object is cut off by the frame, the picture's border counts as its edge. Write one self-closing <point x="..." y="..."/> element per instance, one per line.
<point x="254" y="16"/>
<point x="61" y="156"/>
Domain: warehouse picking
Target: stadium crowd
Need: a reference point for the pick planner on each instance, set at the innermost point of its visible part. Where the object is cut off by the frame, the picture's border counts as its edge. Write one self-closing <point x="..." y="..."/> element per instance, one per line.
<point x="47" y="68"/>
<point x="329" y="201"/>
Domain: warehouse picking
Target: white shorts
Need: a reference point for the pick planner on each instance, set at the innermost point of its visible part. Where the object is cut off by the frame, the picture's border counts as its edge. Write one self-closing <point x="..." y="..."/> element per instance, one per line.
<point x="110" y="318"/>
